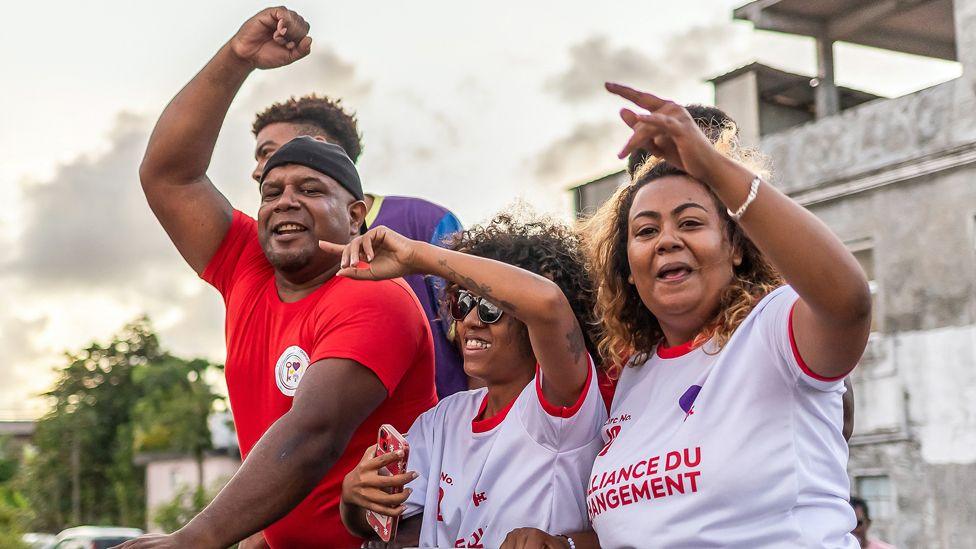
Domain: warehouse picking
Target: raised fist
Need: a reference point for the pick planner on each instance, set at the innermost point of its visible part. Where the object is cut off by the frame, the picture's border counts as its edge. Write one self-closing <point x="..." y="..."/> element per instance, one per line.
<point x="275" y="37"/>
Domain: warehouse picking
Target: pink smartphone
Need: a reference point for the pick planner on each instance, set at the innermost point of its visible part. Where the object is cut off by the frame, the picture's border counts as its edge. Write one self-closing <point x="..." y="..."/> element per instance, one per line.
<point x="387" y="441"/>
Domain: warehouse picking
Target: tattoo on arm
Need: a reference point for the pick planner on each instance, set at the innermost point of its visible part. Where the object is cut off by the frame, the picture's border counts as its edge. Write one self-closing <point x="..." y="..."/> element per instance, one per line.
<point x="483" y="290"/>
<point x="576" y="344"/>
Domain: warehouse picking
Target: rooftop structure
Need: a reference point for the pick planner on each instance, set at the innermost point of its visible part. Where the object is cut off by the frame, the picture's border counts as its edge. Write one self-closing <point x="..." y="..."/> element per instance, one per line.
<point x="887" y="24"/>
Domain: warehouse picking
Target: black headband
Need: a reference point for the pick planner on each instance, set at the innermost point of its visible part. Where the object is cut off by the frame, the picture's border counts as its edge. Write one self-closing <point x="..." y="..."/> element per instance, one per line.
<point x="322" y="157"/>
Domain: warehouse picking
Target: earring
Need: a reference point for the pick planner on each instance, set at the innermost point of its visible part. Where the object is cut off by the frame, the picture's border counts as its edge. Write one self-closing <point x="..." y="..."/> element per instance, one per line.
<point x="630" y="279"/>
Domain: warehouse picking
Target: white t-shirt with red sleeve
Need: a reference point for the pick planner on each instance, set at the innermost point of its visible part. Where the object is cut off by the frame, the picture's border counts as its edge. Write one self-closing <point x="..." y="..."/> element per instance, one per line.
<point x="526" y="466"/>
<point x="737" y="448"/>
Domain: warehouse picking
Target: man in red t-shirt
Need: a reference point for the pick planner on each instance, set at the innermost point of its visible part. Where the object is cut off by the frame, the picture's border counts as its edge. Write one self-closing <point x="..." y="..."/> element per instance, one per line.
<point x="315" y="362"/>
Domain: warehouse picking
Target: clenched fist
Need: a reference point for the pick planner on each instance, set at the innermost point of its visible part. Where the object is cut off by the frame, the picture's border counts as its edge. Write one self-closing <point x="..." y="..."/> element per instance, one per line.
<point x="275" y="37"/>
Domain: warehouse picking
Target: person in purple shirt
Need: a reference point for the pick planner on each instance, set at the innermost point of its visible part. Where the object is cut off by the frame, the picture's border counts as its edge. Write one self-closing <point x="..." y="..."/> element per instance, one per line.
<point x="414" y="218"/>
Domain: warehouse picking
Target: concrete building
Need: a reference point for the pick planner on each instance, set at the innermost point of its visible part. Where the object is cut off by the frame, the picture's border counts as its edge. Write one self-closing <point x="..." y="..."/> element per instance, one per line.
<point x="20" y="432"/>
<point x="170" y="474"/>
<point x="896" y="180"/>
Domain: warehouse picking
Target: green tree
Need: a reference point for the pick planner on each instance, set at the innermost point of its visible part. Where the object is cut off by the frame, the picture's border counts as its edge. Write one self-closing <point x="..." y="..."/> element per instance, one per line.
<point x="106" y="398"/>
<point x="15" y="512"/>
<point x="185" y="505"/>
<point x="172" y="414"/>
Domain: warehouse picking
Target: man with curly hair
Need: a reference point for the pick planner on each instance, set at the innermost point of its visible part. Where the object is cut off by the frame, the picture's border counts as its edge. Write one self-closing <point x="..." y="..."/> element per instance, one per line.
<point x="415" y="218"/>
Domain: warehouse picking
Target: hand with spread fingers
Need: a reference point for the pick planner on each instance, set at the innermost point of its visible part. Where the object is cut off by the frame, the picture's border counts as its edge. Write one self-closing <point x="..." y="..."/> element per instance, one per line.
<point x="388" y="253"/>
<point x="366" y="488"/>
<point x="275" y="37"/>
<point x="667" y="131"/>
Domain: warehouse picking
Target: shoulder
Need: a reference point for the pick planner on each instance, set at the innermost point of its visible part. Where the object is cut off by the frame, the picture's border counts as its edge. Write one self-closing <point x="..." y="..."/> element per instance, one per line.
<point x="239" y="256"/>
<point x="775" y="299"/>
<point x="350" y="302"/>
<point x="419" y="210"/>
<point x="416" y="205"/>
<point x="365" y="293"/>
<point x="461" y="399"/>
<point x="459" y="407"/>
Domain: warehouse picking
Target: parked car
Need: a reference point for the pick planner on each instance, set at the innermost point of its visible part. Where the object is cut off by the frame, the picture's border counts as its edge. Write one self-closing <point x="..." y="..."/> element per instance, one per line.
<point x="94" y="537"/>
<point x="38" y="541"/>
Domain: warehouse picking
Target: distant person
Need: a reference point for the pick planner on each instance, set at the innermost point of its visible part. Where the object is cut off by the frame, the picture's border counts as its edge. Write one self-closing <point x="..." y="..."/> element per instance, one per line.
<point x="315" y="362"/>
<point x="864" y="524"/>
<point x="414" y="218"/>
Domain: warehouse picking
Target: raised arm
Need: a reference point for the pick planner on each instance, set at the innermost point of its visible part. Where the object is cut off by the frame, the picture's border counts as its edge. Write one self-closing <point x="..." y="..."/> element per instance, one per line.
<point x="556" y="337"/>
<point x="832" y="318"/>
<point x="195" y="215"/>
<point x="333" y="399"/>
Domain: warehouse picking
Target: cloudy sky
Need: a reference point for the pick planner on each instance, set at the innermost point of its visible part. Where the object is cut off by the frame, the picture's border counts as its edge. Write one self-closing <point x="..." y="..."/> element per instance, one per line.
<point x="469" y="104"/>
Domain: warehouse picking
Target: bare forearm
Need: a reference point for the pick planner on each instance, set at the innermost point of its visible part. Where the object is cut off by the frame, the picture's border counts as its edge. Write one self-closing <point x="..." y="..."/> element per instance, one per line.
<point x="527" y="296"/>
<point x="408" y="531"/>
<point x="801" y="247"/>
<point x="354" y="519"/>
<point x="183" y="140"/>
<point x="281" y="470"/>
<point x="555" y="334"/>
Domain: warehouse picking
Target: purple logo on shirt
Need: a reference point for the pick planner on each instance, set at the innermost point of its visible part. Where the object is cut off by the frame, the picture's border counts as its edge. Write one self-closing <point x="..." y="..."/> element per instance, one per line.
<point x="687" y="400"/>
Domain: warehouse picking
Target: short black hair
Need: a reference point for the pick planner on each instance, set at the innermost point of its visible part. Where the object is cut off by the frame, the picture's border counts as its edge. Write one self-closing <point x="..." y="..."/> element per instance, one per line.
<point x="858" y="502"/>
<point x="711" y="120"/>
<point x="320" y="117"/>
<point x="542" y="246"/>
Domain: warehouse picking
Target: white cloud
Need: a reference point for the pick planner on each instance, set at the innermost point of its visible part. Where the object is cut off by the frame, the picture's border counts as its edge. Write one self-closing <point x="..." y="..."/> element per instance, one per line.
<point x="670" y="66"/>
<point x="323" y="72"/>
<point x="587" y="150"/>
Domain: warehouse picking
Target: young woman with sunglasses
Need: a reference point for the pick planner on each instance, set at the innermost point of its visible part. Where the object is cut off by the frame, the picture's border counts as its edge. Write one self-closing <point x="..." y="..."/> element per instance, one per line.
<point x="517" y="452"/>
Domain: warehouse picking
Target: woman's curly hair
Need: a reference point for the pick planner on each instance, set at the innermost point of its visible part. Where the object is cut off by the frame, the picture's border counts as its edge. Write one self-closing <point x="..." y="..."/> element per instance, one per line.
<point x="630" y="330"/>
<point x="542" y="246"/>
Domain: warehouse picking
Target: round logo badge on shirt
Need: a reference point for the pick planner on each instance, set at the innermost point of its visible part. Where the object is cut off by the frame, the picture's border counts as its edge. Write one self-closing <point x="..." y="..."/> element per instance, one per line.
<point x="290" y="369"/>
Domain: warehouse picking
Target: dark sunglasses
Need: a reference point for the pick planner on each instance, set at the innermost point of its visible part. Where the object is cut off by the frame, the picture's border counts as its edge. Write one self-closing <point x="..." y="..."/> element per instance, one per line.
<point x="463" y="302"/>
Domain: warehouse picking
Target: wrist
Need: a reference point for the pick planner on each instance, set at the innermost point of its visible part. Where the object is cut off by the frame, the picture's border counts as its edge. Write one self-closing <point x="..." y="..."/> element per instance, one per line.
<point x="234" y="60"/>
<point x="715" y="167"/>
<point x="421" y="258"/>
<point x="193" y="535"/>
<point x="566" y="541"/>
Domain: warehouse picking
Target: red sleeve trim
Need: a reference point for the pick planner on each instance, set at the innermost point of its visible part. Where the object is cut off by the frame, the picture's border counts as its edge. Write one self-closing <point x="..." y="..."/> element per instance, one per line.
<point x="608" y="386"/>
<point x="799" y="359"/>
<point x="563" y="411"/>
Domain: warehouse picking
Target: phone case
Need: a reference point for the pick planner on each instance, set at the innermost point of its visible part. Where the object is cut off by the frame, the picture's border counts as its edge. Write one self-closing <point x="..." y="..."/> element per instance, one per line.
<point x="389" y="440"/>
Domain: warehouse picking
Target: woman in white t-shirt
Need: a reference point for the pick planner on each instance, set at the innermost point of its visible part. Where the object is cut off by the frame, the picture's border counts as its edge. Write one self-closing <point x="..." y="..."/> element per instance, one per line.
<point x="518" y="452"/>
<point x="726" y="426"/>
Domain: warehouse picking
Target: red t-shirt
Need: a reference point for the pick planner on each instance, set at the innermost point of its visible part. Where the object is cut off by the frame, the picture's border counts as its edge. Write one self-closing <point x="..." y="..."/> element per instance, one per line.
<point x="380" y="325"/>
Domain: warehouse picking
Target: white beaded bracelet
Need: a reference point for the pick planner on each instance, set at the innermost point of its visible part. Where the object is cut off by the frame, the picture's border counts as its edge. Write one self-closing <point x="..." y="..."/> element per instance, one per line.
<point x="753" y="191"/>
<point x="569" y="540"/>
